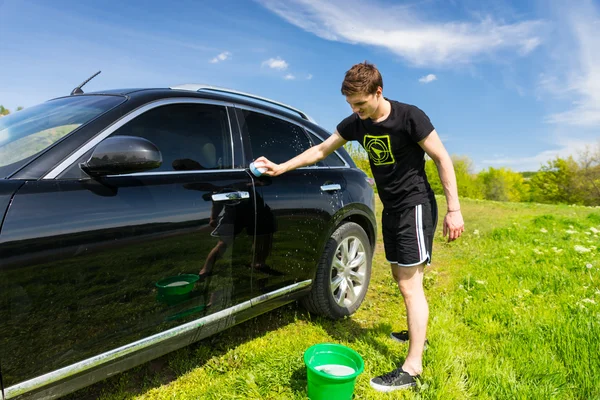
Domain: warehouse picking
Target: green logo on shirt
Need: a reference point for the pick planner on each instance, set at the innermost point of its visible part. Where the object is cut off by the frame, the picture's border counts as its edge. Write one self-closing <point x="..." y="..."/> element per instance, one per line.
<point x="379" y="149"/>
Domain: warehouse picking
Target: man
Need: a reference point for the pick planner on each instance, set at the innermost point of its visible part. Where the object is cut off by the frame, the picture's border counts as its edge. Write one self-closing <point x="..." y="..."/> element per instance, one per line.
<point x="396" y="137"/>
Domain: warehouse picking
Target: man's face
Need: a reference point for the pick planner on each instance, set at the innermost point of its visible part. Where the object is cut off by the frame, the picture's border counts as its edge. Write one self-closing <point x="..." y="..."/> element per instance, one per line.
<point x="364" y="105"/>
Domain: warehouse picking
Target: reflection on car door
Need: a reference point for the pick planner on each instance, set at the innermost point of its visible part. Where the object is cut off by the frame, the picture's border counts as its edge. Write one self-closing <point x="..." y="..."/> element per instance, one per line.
<point x="294" y="210"/>
<point x="81" y="258"/>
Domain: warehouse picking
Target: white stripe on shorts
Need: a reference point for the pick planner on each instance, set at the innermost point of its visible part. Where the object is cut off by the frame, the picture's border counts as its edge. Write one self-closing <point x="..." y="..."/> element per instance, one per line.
<point x="420" y="237"/>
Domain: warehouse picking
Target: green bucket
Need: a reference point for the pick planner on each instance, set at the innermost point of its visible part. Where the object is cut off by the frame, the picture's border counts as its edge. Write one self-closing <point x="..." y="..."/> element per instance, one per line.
<point x="331" y="370"/>
<point x="175" y="289"/>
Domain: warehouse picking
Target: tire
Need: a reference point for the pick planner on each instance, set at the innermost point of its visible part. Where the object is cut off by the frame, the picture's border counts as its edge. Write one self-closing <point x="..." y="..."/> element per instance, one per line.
<point x="343" y="273"/>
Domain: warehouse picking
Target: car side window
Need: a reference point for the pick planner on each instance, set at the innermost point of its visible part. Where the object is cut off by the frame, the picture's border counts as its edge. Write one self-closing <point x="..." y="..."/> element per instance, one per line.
<point x="332" y="160"/>
<point x="189" y="136"/>
<point x="274" y="138"/>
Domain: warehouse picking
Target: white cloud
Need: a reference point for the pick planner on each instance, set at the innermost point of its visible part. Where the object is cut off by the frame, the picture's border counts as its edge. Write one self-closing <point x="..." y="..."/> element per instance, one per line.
<point x="405" y="32"/>
<point x="428" y="78"/>
<point x="309" y="77"/>
<point x="565" y="148"/>
<point x="221" y="57"/>
<point x="289" y="77"/>
<point x="577" y="75"/>
<point x="276" y="63"/>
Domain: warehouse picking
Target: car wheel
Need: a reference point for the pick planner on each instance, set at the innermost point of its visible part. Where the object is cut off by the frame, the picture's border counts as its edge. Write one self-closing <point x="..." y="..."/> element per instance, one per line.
<point x="343" y="273"/>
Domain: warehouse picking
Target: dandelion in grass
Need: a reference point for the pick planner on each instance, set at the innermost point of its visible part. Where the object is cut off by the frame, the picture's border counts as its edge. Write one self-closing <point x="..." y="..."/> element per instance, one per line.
<point x="594" y="230"/>
<point x="581" y="249"/>
<point x="589" y="266"/>
<point x="590" y="301"/>
<point x="538" y="252"/>
<point x="557" y="250"/>
<point x="544" y="230"/>
<point x="481" y="282"/>
<point x="476" y="232"/>
<point x="571" y="231"/>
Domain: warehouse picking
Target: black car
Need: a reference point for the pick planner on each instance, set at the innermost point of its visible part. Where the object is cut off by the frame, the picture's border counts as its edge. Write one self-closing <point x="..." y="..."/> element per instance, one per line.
<point x="131" y="226"/>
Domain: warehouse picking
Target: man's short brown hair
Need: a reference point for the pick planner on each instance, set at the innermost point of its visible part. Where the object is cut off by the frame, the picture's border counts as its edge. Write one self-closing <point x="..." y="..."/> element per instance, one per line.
<point x="363" y="78"/>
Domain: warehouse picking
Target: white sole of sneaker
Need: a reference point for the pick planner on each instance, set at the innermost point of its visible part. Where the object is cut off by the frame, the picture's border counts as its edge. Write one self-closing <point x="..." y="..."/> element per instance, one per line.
<point x="387" y="389"/>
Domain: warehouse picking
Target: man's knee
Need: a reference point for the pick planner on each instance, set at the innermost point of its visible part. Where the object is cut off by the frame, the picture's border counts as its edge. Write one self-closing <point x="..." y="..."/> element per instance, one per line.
<point x="409" y="279"/>
<point x="409" y="288"/>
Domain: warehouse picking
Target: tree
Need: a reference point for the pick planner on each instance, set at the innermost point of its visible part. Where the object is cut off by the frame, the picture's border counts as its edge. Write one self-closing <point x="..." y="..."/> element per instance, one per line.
<point x="466" y="181"/>
<point x="588" y="178"/>
<point x="503" y="185"/>
<point x="4" y="111"/>
<point x="556" y="182"/>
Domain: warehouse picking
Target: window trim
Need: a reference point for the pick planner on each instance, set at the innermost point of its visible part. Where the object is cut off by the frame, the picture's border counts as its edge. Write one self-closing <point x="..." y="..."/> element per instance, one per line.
<point x="291" y="121"/>
<point x="313" y="137"/>
<point x="69" y="161"/>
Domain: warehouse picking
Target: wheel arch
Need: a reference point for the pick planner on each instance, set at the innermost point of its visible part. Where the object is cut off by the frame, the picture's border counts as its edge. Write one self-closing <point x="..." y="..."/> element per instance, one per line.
<point x="361" y="215"/>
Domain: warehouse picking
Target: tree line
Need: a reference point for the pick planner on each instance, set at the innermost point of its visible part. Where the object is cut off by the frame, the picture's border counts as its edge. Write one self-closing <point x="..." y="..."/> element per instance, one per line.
<point x="5" y="111"/>
<point x="571" y="180"/>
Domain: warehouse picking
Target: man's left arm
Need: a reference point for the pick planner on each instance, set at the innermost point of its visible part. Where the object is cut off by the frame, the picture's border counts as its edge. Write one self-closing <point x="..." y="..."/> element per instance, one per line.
<point x="453" y="221"/>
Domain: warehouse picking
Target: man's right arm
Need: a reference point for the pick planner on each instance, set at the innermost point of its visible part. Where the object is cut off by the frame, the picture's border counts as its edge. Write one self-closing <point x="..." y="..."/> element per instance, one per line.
<point x="309" y="157"/>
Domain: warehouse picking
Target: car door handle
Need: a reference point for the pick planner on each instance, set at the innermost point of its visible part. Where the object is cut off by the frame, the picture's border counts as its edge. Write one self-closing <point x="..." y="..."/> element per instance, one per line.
<point x="230" y="196"/>
<point x="331" y="187"/>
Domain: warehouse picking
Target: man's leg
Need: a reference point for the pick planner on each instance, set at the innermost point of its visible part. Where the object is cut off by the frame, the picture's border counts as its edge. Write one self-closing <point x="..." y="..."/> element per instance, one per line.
<point x="410" y="282"/>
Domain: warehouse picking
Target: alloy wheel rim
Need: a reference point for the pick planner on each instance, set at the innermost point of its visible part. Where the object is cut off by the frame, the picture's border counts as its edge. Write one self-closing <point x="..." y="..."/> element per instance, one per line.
<point x="348" y="271"/>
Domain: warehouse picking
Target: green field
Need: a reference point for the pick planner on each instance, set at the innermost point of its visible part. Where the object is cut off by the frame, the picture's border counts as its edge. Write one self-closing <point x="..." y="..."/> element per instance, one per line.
<point x="514" y="314"/>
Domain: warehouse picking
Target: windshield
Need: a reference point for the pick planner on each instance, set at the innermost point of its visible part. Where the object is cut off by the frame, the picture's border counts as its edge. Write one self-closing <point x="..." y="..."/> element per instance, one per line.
<point x="29" y="132"/>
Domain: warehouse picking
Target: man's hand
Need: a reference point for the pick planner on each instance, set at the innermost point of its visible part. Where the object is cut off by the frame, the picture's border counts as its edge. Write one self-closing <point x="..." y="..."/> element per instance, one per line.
<point x="272" y="169"/>
<point x="454" y="225"/>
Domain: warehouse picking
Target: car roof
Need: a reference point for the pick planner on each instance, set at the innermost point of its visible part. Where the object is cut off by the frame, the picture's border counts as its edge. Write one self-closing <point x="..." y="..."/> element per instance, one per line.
<point x="212" y="92"/>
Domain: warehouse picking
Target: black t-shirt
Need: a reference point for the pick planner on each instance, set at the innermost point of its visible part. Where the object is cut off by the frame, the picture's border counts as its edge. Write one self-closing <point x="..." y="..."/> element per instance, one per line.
<point x="397" y="160"/>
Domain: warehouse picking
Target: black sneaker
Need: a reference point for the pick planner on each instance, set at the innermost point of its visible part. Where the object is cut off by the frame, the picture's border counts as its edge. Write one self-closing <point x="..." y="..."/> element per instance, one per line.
<point x="402" y="337"/>
<point x="395" y="380"/>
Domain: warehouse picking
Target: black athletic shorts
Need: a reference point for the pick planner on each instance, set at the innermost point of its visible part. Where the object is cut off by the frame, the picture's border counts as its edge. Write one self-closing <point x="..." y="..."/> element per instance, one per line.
<point x="408" y="234"/>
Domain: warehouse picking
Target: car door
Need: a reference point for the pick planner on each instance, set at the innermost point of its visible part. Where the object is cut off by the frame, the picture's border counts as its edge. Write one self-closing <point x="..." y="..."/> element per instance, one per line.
<point x="83" y="259"/>
<point x="294" y="210"/>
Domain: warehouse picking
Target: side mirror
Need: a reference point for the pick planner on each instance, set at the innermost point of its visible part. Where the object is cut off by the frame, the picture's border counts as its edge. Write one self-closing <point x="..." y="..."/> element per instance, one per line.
<point x="122" y="155"/>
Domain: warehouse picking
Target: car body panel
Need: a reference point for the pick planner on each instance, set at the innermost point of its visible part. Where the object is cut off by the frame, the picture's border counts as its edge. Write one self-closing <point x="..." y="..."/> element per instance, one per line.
<point x="81" y="257"/>
<point x="81" y="271"/>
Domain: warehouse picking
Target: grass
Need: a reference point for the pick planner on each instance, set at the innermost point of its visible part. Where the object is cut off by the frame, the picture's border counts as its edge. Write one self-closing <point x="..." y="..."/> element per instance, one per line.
<point x="514" y="314"/>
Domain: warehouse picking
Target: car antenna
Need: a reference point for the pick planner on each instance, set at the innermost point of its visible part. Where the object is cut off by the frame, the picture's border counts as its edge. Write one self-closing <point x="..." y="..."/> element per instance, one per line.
<point x="78" y="90"/>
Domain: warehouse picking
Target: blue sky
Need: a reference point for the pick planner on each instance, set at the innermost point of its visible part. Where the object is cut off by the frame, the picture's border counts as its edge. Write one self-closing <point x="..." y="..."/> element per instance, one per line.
<point x="505" y="83"/>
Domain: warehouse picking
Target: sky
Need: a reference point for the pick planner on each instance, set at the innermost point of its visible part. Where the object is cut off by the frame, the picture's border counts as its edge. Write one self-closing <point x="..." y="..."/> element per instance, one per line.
<point x="506" y="83"/>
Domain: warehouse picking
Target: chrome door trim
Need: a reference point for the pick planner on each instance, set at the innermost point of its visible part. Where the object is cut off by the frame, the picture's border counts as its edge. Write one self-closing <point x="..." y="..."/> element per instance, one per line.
<point x="120" y="352"/>
<point x="60" y="168"/>
<point x="230" y="196"/>
<point x="331" y="187"/>
<point x="199" y="171"/>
